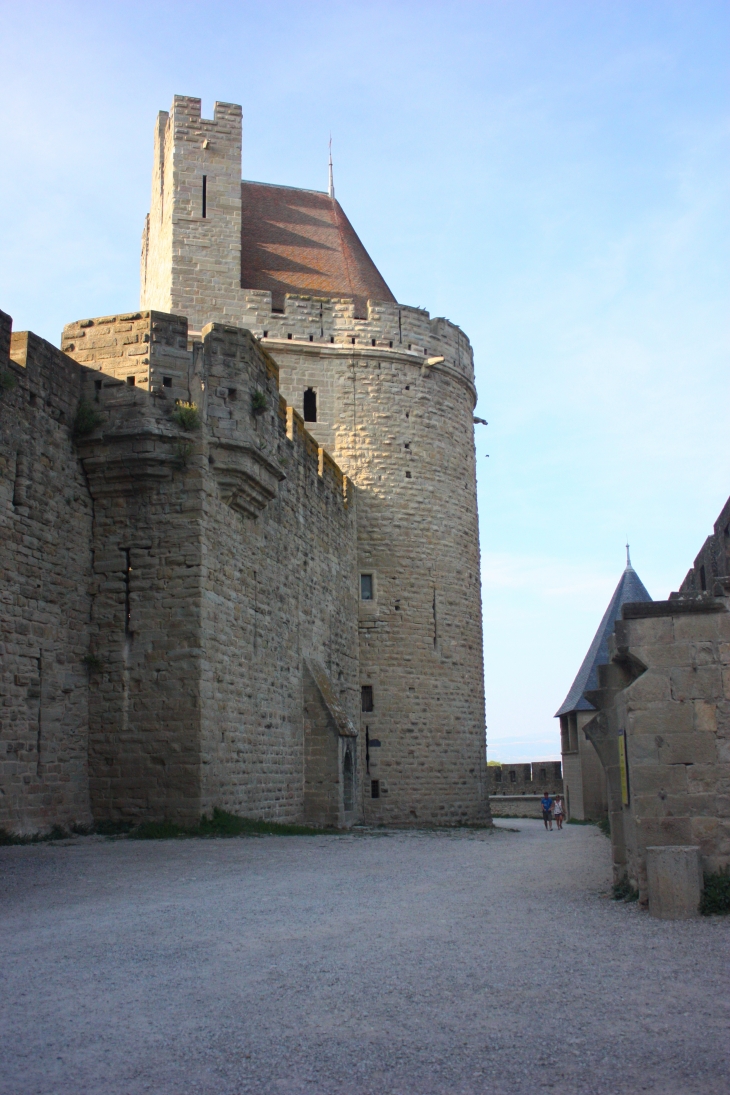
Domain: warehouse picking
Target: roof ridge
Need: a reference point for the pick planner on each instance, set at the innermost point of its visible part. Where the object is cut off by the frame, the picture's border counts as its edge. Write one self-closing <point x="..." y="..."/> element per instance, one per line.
<point x="283" y="186"/>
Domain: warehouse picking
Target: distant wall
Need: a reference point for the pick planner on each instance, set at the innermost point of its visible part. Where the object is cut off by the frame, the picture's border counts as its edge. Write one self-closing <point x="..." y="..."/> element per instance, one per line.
<point x="45" y="598"/>
<point x="525" y="778"/>
<point x="516" y="806"/>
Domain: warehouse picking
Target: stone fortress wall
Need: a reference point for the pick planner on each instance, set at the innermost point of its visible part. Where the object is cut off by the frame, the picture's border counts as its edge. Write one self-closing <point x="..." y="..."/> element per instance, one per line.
<point x="394" y="404"/>
<point x="662" y="729"/>
<point x="45" y="600"/>
<point x="179" y="616"/>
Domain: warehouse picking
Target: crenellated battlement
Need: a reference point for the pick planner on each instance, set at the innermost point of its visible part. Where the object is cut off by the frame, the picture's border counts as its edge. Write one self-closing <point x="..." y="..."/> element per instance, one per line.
<point x="138" y="365"/>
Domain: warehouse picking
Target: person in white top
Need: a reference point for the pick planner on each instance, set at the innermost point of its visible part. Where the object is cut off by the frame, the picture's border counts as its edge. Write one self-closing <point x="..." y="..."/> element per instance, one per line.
<point x="558" y="811"/>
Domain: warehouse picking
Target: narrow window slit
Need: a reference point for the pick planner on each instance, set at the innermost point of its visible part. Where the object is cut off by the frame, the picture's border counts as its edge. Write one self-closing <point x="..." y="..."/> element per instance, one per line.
<point x="310" y="405"/>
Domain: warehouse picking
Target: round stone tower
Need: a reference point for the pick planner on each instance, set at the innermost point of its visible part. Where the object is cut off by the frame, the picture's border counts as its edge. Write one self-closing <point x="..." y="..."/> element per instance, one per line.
<point x="394" y="398"/>
<point x="389" y="393"/>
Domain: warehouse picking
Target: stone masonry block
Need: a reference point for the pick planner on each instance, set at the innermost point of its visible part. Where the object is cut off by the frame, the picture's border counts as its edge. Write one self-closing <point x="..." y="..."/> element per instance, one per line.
<point x="674" y="880"/>
<point x="687" y="749"/>
<point x="650" y="687"/>
<point x="653" y="778"/>
<point x="709" y="777"/>
<point x="649" y="631"/>
<point x="702" y="626"/>
<point x="705" y="716"/>
<point x="696" y="683"/>
<point x="662" y="719"/>
<point x="664" y="655"/>
<point x="664" y="830"/>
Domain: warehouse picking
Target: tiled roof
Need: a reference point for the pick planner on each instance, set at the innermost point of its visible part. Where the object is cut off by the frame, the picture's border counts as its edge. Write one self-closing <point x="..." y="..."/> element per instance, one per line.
<point x="630" y="589"/>
<point x="300" y="241"/>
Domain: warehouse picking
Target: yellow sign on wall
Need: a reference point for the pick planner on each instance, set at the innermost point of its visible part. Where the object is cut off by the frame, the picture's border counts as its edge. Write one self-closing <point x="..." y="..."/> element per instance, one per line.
<point x="623" y="766"/>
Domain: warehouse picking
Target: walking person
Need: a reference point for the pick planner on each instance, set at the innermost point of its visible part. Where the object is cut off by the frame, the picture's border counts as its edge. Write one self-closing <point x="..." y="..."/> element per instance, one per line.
<point x="558" y="811"/>
<point x="547" y="810"/>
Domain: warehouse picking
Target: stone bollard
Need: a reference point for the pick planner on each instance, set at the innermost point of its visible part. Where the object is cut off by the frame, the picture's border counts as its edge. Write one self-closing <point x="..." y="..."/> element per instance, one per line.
<point x="675" y="881"/>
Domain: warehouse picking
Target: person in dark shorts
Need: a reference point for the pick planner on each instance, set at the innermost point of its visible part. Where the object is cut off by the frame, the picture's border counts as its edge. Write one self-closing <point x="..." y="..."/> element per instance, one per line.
<point x="547" y="810"/>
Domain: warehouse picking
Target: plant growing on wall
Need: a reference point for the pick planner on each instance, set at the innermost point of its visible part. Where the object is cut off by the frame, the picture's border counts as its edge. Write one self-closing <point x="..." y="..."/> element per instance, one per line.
<point x="183" y="450"/>
<point x="186" y="415"/>
<point x="92" y="663"/>
<point x="86" y="420"/>
<point x="258" y="402"/>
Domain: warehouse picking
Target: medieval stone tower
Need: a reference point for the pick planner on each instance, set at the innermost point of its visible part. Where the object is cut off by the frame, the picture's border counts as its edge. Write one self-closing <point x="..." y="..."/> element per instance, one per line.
<point x="389" y="392"/>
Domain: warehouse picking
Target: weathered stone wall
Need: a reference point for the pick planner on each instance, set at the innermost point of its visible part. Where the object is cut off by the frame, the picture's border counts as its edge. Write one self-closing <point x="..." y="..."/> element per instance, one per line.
<point x="225" y="557"/>
<point x="45" y="603"/>
<point x="395" y="398"/>
<point x="666" y="689"/>
<point x="146" y="635"/>
<point x="279" y="591"/>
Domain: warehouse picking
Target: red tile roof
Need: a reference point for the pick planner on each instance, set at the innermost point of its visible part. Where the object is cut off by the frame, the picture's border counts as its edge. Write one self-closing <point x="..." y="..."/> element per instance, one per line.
<point x="300" y="241"/>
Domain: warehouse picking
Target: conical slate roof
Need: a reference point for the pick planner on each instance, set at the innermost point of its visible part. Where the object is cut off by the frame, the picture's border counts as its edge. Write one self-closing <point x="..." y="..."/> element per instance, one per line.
<point x="630" y="588"/>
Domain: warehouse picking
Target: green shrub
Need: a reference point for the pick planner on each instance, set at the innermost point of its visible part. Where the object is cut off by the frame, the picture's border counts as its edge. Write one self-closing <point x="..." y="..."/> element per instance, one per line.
<point x="624" y="891"/>
<point x="183" y="452"/>
<point x="87" y="419"/>
<point x="186" y="415"/>
<point x="601" y="823"/>
<point x="716" y="894"/>
<point x="92" y="663"/>
<point x="258" y="402"/>
<point x="112" y="828"/>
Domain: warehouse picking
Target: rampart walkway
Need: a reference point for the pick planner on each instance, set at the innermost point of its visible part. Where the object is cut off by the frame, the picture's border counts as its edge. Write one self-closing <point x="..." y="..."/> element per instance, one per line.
<point x="409" y="963"/>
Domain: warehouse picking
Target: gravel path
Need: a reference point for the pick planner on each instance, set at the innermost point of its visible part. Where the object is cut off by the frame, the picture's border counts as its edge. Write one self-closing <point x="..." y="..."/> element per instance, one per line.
<point x="401" y="963"/>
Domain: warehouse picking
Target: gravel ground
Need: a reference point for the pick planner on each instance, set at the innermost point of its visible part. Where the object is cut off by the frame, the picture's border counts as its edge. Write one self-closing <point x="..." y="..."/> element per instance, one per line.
<point x="402" y="963"/>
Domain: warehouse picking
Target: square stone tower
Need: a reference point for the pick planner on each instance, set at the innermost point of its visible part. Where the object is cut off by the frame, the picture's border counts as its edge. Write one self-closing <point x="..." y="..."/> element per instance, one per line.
<point x="191" y="245"/>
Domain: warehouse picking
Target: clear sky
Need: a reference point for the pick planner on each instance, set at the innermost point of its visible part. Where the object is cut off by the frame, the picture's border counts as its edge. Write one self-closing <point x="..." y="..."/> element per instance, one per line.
<point x="551" y="176"/>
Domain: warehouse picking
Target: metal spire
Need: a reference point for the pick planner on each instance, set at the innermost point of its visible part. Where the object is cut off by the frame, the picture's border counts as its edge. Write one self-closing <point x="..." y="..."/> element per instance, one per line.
<point x="628" y="556"/>
<point x="332" y="181"/>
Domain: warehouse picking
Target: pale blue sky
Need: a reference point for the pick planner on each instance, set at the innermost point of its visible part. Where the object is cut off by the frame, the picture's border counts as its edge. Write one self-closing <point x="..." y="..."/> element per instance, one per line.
<point x="551" y="176"/>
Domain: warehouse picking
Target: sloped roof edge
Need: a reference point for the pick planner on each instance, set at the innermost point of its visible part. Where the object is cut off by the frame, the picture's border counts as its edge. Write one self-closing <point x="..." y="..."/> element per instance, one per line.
<point x="629" y="589"/>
